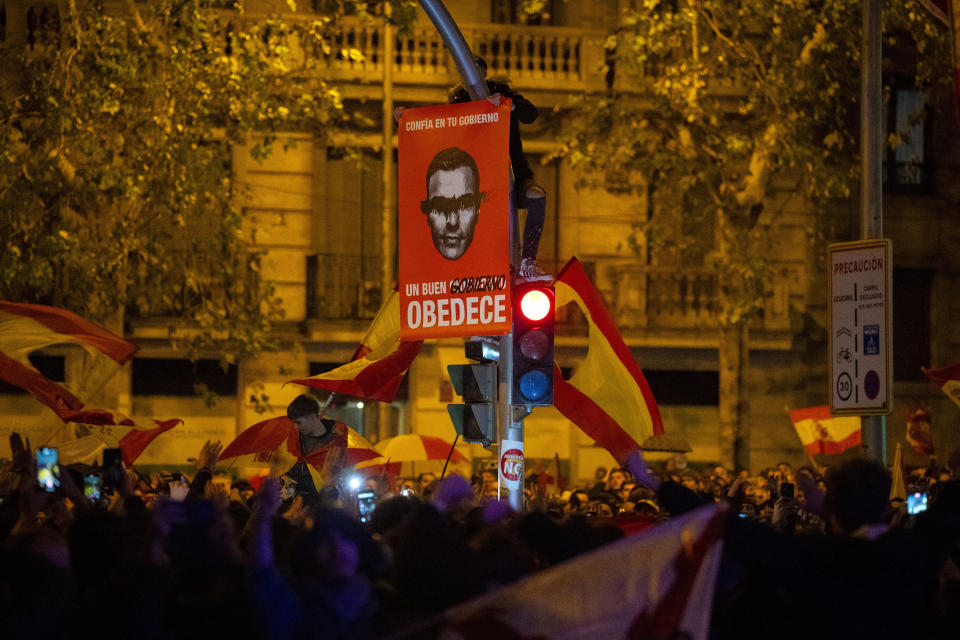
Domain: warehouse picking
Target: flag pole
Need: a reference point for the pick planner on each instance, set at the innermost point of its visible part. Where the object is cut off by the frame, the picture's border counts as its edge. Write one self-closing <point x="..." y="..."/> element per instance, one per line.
<point x="450" y="453"/>
<point x="874" y="428"/>
<point x="326" y="404"/>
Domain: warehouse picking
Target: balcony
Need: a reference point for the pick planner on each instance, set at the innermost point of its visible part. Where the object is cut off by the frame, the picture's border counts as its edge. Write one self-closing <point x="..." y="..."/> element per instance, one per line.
<point x="669" y="299"/>
<point x="532" y="57"/>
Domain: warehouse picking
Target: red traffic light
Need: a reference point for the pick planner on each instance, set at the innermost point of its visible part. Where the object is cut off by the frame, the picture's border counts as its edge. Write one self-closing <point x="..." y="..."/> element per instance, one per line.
<point x="535" y="305"/>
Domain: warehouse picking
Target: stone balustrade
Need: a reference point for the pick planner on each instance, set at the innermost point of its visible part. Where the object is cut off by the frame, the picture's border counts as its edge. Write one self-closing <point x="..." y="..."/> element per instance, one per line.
<point x="531" y="57"/>
<point x="683" y="298"/>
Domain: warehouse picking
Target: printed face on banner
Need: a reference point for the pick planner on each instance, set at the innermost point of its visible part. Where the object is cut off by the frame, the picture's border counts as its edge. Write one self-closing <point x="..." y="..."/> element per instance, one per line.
<point x="453" y="202"/>
<point x="454" y="220"/>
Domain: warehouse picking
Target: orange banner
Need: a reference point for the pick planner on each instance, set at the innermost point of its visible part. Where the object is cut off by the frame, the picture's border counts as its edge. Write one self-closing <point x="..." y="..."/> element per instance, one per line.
<point x="454" y="235"/>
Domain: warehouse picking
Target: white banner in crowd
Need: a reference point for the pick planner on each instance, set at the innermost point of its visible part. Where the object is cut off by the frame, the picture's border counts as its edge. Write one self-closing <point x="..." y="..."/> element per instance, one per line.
<point x="658" y="584"/>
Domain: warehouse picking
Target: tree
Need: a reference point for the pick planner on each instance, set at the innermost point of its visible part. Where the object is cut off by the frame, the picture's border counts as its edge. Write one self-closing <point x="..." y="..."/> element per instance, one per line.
<point x="707" y="101"/>
<point x="117" y="197"/>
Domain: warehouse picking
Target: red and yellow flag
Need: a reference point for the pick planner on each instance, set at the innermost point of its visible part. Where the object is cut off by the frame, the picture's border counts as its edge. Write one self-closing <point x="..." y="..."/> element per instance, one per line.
<point x="25" y="328"/>
<point x="821" y="432"/>
<point x="265" y="442"/>
<point x="948" y="379"/>
<point x="607" y="396"/>
<point x="919" y="433"/>
<point x="119" y="431"/>
<point x="378" y="365"/>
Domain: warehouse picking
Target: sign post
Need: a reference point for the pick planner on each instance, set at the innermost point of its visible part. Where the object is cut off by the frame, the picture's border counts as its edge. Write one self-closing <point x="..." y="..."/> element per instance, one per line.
<point x="860" y="326"/>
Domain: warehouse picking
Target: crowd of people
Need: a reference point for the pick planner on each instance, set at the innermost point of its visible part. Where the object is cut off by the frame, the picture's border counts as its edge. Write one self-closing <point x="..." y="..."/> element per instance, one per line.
<point x="809" y="552"/>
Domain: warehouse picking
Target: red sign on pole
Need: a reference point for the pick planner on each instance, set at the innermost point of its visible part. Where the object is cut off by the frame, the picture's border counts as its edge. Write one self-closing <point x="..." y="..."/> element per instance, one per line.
<point x="454" y="220"/>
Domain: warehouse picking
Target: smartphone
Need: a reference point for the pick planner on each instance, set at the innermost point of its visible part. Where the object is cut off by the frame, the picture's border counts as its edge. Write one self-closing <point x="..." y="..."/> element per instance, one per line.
<point x="92" y="487"/>
<point x="366" y="502"/>
<point x="788" y="490"/>
<point x="916" y="503"/>
<point x="747" y="511"/>
<point x="48" y="469"/>
<point x="112" y="467"/>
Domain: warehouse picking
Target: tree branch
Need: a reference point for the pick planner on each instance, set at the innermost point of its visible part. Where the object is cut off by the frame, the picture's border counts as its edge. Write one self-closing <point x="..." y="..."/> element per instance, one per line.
<point x="753" y="187"/>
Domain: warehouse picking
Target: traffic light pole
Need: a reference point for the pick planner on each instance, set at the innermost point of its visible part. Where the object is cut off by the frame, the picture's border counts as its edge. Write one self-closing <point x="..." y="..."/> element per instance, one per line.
<point x="509" y="429"/>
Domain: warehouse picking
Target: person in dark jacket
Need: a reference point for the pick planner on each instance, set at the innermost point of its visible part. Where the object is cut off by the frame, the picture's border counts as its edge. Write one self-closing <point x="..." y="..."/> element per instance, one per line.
<point x="529" y="192"/>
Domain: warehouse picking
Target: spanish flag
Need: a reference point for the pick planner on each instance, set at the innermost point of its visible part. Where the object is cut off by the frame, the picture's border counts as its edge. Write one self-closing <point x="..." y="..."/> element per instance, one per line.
<point x="119" y="431"/>
<point x="25" y="328"/>
<point x="377" y="367"/>
<point x="919" y="433"/>
<point x="607" y="396"/>
<point x="948" y="379"/>
<point x="822" y="433"/>
<point x="276" y="440"/>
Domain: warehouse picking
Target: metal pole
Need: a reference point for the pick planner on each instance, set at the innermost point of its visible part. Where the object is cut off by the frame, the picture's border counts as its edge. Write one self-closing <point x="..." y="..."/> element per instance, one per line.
<point x="871" y="175"/>
<point x="386" y="216"/>
<point x="475" y="85"/>
<point x="457" y="46"/>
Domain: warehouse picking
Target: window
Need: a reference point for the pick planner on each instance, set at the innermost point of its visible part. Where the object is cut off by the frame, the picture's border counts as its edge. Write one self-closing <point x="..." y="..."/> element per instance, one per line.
<point x="905" y="167"/>
<point x="511" y="12"/>
<point x="911" y="323"/>
<point x="176" y="377"/>
<point x="43" y="23"/>
<point x="684" y="388"/>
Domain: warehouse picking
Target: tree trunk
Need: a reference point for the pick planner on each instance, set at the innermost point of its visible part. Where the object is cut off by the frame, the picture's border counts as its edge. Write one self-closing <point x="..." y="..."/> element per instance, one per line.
<point x="734" y="363"/>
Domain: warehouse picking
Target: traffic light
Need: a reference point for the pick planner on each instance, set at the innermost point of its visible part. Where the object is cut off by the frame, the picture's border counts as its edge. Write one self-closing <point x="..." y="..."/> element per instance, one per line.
<point x="533" y="321"/>
<point x="476" y="419"/>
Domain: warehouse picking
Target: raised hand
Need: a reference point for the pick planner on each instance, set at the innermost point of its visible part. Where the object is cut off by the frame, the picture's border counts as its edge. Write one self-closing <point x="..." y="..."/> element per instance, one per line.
<point x="207" y="458"/>
<point x="22" y="456"/>
<point x="637" y="466"/>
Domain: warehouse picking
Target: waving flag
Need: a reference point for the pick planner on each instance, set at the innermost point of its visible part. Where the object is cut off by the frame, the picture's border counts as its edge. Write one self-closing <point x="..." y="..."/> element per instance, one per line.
<point x="919" y="434"/>
<point x="607" y="396"/>
<point x="656" y="585"/>
<point x="948" y="379"/>
<point x="118" y="431"/>
<point x="25" y="328"/>
<point x="377" y="367"/>
<point x="821" y="432"/>
<point x="265" y="441"/>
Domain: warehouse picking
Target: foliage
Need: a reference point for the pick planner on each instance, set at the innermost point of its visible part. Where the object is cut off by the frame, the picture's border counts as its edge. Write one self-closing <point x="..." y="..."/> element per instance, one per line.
<point x="116" y="184"/>
<point x="710" y="101"/>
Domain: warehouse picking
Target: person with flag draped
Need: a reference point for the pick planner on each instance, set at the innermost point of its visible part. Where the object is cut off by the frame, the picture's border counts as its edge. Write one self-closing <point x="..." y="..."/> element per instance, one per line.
<point x="320" y="443"/>
<point x="321" y="448"/>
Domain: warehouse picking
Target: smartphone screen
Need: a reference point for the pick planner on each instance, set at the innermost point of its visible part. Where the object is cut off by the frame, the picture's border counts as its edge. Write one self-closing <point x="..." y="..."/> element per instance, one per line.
<point x="366" y="501"/>
<point x="916" y="503"/>
<point x="91" y="487"/>
<point x="48" y="469"/>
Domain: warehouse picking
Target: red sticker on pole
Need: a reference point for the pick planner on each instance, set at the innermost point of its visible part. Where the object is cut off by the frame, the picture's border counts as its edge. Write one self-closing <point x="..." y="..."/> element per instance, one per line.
<point x="454" y="233"/>
<point x="511" y="462"/>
